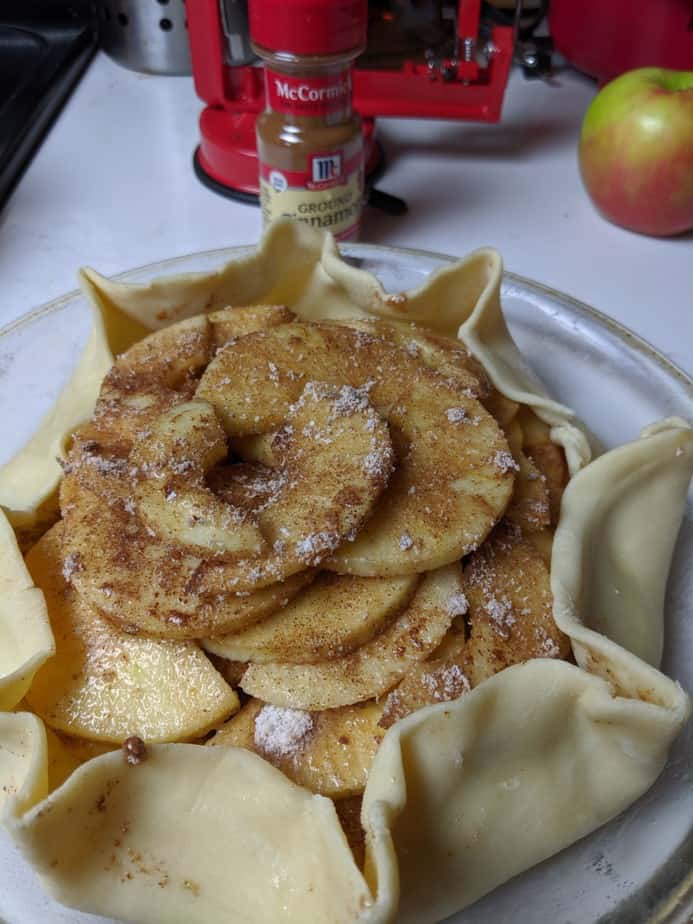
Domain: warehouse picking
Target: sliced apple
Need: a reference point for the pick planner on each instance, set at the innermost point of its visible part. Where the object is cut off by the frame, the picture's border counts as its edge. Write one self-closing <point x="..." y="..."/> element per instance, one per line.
<point x="507" y="584"/>
<point x="171" y="460"/>
<point x="448" y="489"/>
<point x="533" y="429"/>
<point x="148" y="586"/>
<point x="453" y="361"/>
<point x="229" y="323"/>
<point x="104" y="685"/>
<point x="446" y="356"/>
<point x="335" y="615"/>
<point x="328" y="752"/>
<point x="375" y="667"/>
<point x="529" y="506"/>
<point x="550" y="461"/>
<point x="159" y="372"/>
<point x="150" y="378"/>
<point x="499" y="407"/>
<point x="439" y="679"/>
<point x="334" y="459"/>
<point x="451" y="480"/>
<point x="546" y="456"/>
<point x="247" y="486"/>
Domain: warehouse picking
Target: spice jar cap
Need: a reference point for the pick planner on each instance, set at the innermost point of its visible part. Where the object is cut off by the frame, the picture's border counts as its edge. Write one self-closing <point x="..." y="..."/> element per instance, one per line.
<point x="308" y="27"/>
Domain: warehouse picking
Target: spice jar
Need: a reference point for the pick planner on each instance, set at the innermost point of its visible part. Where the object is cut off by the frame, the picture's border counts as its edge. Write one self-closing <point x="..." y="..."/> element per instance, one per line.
<point x="309" y="141"/>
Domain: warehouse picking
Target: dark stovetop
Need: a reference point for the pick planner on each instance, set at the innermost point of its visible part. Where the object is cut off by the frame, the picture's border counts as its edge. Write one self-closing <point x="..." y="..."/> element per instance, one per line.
<point x="45" y="45"/>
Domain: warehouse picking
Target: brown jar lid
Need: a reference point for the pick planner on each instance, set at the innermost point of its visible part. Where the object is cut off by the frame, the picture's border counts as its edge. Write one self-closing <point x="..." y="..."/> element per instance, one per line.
<point x="308" y="27"/>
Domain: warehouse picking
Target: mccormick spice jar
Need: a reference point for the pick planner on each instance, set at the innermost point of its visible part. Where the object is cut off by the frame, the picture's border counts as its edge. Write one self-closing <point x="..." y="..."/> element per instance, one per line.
<point x="309" y="141"/>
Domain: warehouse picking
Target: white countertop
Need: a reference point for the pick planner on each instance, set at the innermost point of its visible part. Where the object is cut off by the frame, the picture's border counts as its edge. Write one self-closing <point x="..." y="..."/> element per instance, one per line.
<point x="113" y="187"/>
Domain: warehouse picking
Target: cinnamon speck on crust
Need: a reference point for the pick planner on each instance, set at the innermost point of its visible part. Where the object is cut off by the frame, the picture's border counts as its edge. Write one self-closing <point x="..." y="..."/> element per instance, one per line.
<point x="134" y="751"/>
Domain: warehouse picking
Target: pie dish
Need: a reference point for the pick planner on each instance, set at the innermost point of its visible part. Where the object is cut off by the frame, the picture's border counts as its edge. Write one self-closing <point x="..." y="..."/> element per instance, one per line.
<point x="585" y="713"/>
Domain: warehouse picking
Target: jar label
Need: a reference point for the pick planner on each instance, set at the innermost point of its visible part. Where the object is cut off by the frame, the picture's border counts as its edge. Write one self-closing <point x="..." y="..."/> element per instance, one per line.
<point x="309" y="96"/>
<point x="327" y="195"/>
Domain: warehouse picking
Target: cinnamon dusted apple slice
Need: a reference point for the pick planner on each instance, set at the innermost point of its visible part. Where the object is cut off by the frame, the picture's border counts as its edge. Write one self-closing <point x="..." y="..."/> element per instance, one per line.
<point x="439" y="679"/>
<point x="546" y="456"/>
<point x="445" y="356"/>
<point x="449" y="358"/>
<point x="172" y="459"/>
<point x="174" y="560"/>
<point x="375" y="667"/>
<point x="229" y="323"/>
<point x="529" y="506"/>
<point x="159" y="371"/>
<point x="451" y="483"/>
<point x="507" y="584"/>
<point x="549" y="459"/>
<point x="175" y="353"/>
<point x="451" y="480"/>
<point x="333" y="462"/>
<point x="328" y="752"/>
<point x="144" y="585"/>
<point x="104" y="685"/>
<point x="335" y="615"/>
<point x="246" y="486"/>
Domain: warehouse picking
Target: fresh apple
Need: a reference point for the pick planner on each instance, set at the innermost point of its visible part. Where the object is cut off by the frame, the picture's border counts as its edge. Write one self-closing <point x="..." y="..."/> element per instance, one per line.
<point x="636" y="151"/>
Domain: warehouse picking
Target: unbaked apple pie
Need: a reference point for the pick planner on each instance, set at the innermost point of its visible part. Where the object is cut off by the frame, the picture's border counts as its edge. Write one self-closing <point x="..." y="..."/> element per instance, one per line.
<point x="314" y="622"/>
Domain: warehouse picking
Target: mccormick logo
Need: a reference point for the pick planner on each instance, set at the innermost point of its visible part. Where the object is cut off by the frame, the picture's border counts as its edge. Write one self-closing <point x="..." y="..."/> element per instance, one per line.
<point x="305" y="93"/>
<point x="327" y="168"/>
<point x="309" y="96"/>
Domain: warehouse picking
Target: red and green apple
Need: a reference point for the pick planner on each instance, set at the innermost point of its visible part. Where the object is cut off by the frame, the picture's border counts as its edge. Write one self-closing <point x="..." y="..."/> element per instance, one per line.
<point x="636" y="151"/>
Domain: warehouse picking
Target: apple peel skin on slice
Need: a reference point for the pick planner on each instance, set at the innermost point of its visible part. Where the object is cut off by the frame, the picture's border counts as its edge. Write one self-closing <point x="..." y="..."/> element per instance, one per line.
<point x="332" y="617"/>
<point x="449" y="487"/>
<point x="105" y="685"/>
<point x="375" y="667"/>
<point x="328" y="752"/>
